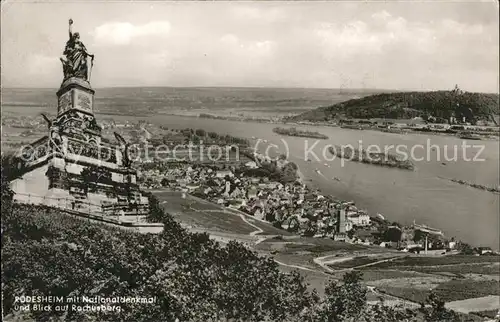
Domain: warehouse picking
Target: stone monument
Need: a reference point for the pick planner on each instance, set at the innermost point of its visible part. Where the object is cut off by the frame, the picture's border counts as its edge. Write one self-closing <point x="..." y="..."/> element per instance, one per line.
<point x="74" y="166"/>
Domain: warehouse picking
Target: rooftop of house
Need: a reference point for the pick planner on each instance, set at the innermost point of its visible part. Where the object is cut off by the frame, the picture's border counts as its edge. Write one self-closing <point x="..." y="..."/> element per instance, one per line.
<point x="358" y="214"/>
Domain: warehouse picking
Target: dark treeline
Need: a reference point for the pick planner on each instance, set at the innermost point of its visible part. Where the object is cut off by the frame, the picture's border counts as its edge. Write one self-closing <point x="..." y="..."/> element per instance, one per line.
<point x="299" y="133"/>
<point x="377" y="158"/>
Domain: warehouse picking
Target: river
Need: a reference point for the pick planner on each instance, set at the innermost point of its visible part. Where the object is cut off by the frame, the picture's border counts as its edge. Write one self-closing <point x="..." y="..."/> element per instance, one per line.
<point x="422" y="195"/>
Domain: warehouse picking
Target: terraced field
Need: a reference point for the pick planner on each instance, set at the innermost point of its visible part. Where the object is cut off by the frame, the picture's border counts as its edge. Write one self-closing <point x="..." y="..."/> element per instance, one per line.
<point x="423" y="261"/>
<point x="452" y="278"/>
<point x="205" y="216"/>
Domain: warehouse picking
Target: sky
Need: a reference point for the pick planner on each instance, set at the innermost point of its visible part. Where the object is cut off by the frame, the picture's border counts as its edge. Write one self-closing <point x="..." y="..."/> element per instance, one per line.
<point x="377" y="45"/>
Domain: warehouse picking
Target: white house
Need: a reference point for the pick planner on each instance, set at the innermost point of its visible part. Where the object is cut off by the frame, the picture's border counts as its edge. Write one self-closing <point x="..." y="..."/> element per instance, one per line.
<point x="191" y="187"/>
<point x="223" y="174"/>
<point x="485" y="250"/>
<point x="259" y="213"/>
<point x="251" y="165"/>
<point x="359" y="219"/>
<point x="236" y="193"/>
<point x="252" y="192"/>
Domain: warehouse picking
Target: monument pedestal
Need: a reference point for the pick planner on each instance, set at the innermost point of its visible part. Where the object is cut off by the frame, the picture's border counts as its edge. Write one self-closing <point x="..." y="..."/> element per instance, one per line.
<point x="75" y="94"/>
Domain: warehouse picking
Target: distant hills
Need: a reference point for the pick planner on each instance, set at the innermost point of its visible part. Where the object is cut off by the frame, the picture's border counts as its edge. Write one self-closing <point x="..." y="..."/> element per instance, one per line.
<point x="405" y="105"/>
<point x="153" y="100"/>
<point x="298" y="102"/>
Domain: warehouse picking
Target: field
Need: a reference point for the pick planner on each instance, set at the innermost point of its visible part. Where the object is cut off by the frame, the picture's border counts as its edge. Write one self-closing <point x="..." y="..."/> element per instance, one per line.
<point x="313" y="253"/>
<point x="455" y="265"/>
<point x="267" y="229"/>
<point x="462" y="269"/>
<point x="439" y="261"/>
<point x="196" y="214"/>
<point x="407" y="293"/>
<point x="205" y="216"/>
<point x="401" y="286"/>
<point x="306" y="248"/>
<point x="487" y="313"/>
<point x="357" y="261"/>
<point x="461" y="289"/>
<point x="416" y="289"/>
<point x="376" y="275"/>
<point x="452" y="278"/>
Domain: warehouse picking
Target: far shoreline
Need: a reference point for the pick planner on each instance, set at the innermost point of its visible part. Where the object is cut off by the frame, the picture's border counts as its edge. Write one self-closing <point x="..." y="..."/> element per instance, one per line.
<point x="222" y="118"/>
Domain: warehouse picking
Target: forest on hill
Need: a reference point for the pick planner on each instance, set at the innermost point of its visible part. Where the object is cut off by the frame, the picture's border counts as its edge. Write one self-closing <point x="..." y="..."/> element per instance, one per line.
<point x="405" y="105"/>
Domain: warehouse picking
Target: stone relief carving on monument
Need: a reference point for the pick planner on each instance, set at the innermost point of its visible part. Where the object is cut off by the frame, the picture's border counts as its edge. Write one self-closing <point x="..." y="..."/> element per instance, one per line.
<point x="55" y="139"/>
<point x="92" y="150"/>
<point x="84" y="102"/>
<point x="124" y="147"/>
<point x="72" y="125"/>
<point x="93" y="125"/>
<point x="41" y="151"/>
<point x="63" y="119"/>
<point x="75" y="60"/>
<point x="64" y="102"/>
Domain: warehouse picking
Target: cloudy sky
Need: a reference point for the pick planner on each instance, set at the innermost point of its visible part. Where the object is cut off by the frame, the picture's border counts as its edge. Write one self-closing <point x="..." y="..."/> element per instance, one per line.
<point x="399" y="45"/>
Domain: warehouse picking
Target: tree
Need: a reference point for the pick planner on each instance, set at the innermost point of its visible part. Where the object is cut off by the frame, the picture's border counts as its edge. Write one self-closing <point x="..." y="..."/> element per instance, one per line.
<point x="201" y="133"/>
<point x="156" y="214"/>
<point x="382" y="313"/>
<point x="346" y="301"/>
<point x="288" y="173"/>
<point x="7" y="193"/>
<point x="437" y="311"/>
<point x="465" y="248"/>
<point x="393" y="234"/>
<point x="195" y="139"/>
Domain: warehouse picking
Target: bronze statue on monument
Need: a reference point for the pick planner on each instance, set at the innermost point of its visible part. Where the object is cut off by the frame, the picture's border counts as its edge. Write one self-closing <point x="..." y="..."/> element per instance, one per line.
<point x="75" y="59"/>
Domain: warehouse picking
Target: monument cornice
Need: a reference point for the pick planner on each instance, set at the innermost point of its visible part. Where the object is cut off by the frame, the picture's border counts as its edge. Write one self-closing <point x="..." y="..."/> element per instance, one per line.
<point x="73" y="82"/>
<point x="75" y="110"/>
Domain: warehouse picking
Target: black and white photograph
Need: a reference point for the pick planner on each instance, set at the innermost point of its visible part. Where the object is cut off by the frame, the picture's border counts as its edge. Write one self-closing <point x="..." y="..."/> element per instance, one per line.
<point x="250" y="161"/>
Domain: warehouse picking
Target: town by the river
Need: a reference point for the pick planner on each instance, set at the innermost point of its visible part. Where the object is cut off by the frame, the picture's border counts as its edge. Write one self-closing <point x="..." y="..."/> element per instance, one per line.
<point x="404" y="196"/>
